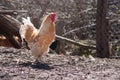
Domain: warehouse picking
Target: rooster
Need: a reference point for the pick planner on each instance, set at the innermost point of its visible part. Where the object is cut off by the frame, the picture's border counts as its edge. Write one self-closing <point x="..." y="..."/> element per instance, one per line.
<point x="40" y="39"/>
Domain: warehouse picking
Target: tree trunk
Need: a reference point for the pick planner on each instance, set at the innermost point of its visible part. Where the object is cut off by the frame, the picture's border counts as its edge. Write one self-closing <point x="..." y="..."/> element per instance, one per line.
<point x="9" y="27"/>
<point x="102" y="30"/>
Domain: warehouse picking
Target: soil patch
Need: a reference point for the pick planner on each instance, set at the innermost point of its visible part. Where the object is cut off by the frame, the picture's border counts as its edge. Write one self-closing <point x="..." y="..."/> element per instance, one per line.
<point x="18" y="64"/>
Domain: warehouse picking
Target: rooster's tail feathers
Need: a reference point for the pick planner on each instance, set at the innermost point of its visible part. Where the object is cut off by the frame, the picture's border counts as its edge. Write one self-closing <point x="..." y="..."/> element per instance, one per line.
<point x="27" y="25"/>
<point x="27" y="21"/>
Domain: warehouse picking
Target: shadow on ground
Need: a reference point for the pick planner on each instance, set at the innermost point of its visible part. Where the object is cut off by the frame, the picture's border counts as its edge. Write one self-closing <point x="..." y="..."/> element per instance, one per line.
<point x="39" y="65"/>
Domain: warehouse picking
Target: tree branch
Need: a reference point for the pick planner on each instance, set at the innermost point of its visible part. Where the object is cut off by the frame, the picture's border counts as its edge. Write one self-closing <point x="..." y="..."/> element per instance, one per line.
<point x="75" y="43"/>
<point x="12" y="12"/>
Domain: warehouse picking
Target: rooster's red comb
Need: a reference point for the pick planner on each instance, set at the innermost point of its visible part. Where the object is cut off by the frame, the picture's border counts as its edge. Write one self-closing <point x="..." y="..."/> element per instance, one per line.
<point x="52" y="16"/>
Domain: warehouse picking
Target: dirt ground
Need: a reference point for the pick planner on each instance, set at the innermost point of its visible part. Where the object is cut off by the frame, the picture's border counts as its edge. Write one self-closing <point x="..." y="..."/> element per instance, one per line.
<point x="18" y="64"/>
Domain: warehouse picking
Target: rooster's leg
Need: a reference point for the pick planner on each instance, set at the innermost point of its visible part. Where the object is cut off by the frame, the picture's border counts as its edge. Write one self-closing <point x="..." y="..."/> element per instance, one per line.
<point x="39" y="59"/>
<point x="36" y="61"/>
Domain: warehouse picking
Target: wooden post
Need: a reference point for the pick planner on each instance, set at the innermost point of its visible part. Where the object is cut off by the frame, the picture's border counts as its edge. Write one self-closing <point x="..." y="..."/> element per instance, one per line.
<point x="102" y="30"/>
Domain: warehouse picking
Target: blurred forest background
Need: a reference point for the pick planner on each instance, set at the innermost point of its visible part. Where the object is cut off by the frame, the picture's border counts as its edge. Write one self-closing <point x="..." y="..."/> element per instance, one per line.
<point x="76" y="19"/>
